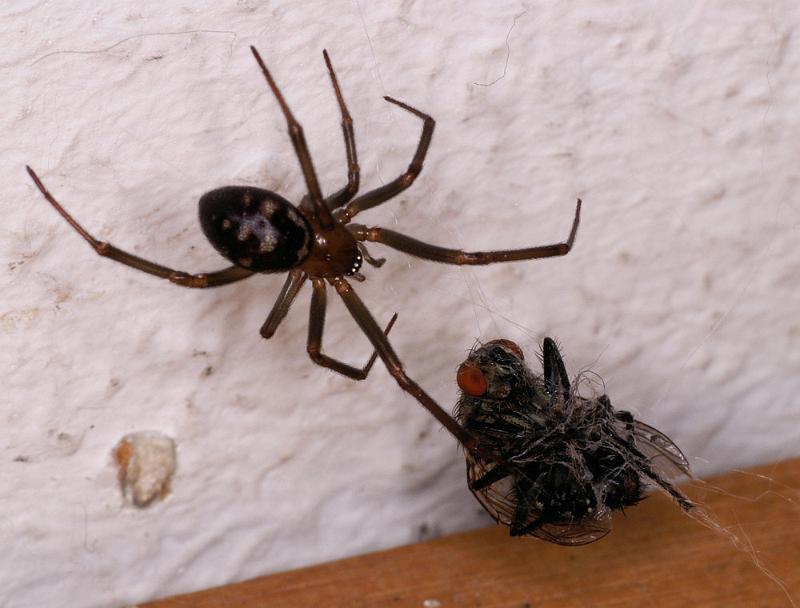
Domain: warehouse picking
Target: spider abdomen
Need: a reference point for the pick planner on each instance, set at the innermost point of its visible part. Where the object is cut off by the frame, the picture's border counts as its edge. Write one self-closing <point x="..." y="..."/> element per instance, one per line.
<point x="255" y="228"/>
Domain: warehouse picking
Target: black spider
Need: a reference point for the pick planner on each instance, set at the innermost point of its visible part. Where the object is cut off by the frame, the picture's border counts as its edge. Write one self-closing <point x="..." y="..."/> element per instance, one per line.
<point x="259" y="231"/>
<point x="551" y="463"/>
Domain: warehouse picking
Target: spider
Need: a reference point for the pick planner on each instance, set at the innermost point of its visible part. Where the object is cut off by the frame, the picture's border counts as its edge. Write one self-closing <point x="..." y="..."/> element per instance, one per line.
<point x="259" y="231"/>
<point x="553" y="464"/>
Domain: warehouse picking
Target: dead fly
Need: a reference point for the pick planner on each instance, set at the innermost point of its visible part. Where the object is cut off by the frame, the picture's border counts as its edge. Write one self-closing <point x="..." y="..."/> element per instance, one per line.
<point x="551" y="463"/>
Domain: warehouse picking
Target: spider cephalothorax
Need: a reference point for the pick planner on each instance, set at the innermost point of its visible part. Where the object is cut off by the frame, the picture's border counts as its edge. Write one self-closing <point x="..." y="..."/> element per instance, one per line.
<point x="261" y="232"/>
<point x="553" y="463"/>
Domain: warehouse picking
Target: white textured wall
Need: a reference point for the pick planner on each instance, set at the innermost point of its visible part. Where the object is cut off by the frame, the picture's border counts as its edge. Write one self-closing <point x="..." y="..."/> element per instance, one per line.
<point x="676" y="122"/>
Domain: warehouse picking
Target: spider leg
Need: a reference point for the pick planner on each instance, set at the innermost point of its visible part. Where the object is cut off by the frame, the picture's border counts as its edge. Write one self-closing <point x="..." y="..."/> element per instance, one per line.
<point x="344" y="195"/>
<point x="315" y="328"/>
<point x="372" y="330"/>
<point x="323" y="214"/>
<point x="435" y="253"/>
<point x="179" y="277"/>
<point x="380" y="195"/>
<point x="520" y="524"/>
<point x="555" y="373"/>
<point x="291" y="287"/>
<point x="684" y="501"/>
<point x="493" y="476"/>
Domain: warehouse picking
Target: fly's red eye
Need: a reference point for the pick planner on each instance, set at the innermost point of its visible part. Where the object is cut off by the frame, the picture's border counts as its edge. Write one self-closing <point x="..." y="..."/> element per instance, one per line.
<point x="471" y="380"/>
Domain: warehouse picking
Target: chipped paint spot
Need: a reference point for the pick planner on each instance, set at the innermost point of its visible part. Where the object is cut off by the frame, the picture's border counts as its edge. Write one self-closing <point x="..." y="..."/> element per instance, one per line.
<point x="19" y="319"/>
<point x="146" y="462"/>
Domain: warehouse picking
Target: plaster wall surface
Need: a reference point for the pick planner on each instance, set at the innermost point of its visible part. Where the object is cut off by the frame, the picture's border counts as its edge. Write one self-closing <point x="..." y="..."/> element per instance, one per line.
<point x="676" y="123"/>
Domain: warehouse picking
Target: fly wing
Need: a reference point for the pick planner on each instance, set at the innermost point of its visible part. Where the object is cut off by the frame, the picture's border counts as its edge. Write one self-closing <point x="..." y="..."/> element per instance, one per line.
<point x="497" y="498"/>
<point x="573" y="534"/>
<point x="661" y="451"/>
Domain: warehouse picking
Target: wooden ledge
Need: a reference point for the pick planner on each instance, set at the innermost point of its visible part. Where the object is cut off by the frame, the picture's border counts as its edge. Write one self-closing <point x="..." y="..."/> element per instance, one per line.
<point x="655" y="557"/>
